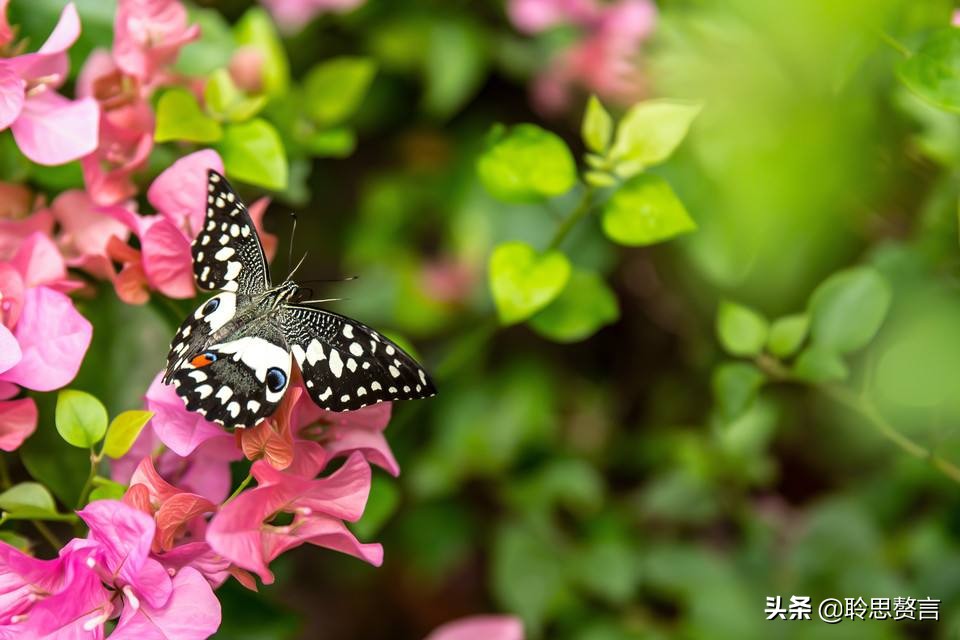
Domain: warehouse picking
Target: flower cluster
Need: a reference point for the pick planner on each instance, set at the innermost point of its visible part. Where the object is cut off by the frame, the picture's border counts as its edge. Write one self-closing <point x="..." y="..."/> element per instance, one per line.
<point x="604" y="58"/>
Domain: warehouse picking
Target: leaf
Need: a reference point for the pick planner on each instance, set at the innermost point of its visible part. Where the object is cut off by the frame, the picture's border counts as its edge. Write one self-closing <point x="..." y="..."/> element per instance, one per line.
<point x="742" y="331"/>
<point x="113" y="491"/>
<point x="523" y="282"/>
<point x="526" y="164"/>
<point x="212" y="50"/>
<point x="81" y="418"/>
<point x="15" y="540"/>
<point x="123" y="432"/>
<point x="649" y="133"/>
<point x="27" y="498"/>
<point x="528" y="574"/>
<point x="644" y="211"/>
<point x="255" y="29"/>
<point x="179" y="118"/>
<point x="331" y="143"/>
<point x="334" y="89"/>
<point x="225" y="101"/>
<point x="847" y="309"/>
<point x="735" y="386"/>
<point x="597" y="126"/>
<point x="933" y="72"/>
<point x="585" y="305"/>
<point x="816" y="364"/>
<point x="253" y="153"/>
<point x="787" y="334"/>
<point x="454" y="65"/>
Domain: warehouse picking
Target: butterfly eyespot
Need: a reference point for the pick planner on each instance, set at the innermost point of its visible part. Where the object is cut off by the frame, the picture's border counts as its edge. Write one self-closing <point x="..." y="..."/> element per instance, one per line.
<point x="276" y="379"/>
<point x="205" y="358"/>
<point x="211" y="306"/>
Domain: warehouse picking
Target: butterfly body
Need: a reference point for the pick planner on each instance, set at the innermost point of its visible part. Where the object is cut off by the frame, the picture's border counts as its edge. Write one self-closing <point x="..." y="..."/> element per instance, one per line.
<point x="232" y="359"/>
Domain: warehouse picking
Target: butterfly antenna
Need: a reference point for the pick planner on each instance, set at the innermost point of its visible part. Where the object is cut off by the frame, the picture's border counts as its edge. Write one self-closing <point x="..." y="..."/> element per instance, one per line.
<point x="293" y="233"/>
<point x="294" y="270"/>
<point x="322" y="300"/>
<point x="347" y="279"/>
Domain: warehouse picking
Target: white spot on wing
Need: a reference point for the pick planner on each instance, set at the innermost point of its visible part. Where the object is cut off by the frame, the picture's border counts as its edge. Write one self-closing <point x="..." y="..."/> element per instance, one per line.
<point x="336" y="364"/>
<point x="253" y="406"/>
<point x="394" y="371"/>
<point x="315" y="352"/>
<point x="204" y="390"/>
<point x="348" y="331"/>
<point x="356" y="349"/>
<point x="224" y="394"/>
<point x="224" y="253"/>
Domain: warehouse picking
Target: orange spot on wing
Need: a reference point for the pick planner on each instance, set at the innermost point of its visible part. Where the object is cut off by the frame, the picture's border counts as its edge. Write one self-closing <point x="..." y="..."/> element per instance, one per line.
<point x="201" y="360"/>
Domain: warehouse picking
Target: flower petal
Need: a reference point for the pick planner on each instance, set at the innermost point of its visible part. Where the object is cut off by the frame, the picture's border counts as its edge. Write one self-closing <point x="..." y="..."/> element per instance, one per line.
<point x="53" y="337"/>
<point x="10" y="353"/>
<point x="181" y="430"/>
<point x="18" y="421"/>
<point x="52" y="130"/>
<point x="480" y="628"/>
<point x="85" y="230"/>
<point x="180" y="192"/>
<point x="39" y="261"/>
<point x="192" y="613"/>
<point x="167" y="262"/>
<point x="11" y="95"/>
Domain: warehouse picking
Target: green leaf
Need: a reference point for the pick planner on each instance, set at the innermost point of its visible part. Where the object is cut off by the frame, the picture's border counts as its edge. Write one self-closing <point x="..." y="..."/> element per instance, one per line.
<point x="523" y="282"/>
<point x="817" y="364"/>
<point x="226" y="102"/>
<point x="528" y="574"/>
<point x="107" y="490"/>
<point x="81" y="418"/>
<point x="123" y="432"/>
<point x="454" y="64"/>
<point x="27" y="498"/>
<point x="597" y="127"/>
<point x="334" y="89"/>
<point x="847" y="309"/>
<point x="15" y="540"/>
<point x="787" y="334"/>
<point x="179" y="118"/>
<point x="585" y="305"/>
<point x="253" y="153"/>
<point x="255" y="29"/>
<point x="933" y="72"/>
<point x="742" y="331"/>
<point x="645" y="211"/>
<point x="599" y="179"/>
<point x="735" y="386"/>
<point x="650" y="131"/>
<point x="331" y="143"/>
<point x="214" y="47"/>
<point x="526" y="164"/>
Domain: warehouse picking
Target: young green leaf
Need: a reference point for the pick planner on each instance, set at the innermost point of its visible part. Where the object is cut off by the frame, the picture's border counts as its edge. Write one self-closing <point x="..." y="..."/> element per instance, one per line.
<point x="933" y="72"/>
<point x="645" y="211"/>
<point x="335" y="88"/>
<point x="847" y="309"/>
<point x="338" y="142"/>
<point x="253" y="153"/>
<point x="526" y="164"/>
<point x="742" y="331"/>
<point x="255" y="29"/>
<point x="108" y="491"/>
<point x="179" y="117"/>
<point x="123" y="431"/>
<point x="523" y="282"/>
<point x="27" y="498"/>
<point x="597" y="127"/>
<point x="81" y="419"/>
<point x="584" y="306"/>
<point x="735" y="386"/>
<point x="225" y="101"/>
<point x="787" y="334"/>
<point x="650" y="132"/>
<point x="817" y="364"/>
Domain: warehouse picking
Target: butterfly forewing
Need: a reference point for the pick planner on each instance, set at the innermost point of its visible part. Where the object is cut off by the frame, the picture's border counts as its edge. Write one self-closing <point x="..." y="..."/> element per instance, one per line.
<point x="227" y="253"/>
<point x="347" y="365"/>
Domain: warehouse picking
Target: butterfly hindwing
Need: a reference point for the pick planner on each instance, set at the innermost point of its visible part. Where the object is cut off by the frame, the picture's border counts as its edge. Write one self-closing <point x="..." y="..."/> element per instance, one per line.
<point x="238" y="382"/>
<point x="347" y="365"/>
<point x="227" y="253"/>
<point x="200" y="328"/>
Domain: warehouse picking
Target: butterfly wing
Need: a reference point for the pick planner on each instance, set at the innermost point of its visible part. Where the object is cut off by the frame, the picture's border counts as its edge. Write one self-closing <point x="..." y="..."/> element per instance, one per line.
<point x="347" y="365"/>
<point x="227" y="253"/>
<point x="201" y="329"/>
<point x="237" y="382"/>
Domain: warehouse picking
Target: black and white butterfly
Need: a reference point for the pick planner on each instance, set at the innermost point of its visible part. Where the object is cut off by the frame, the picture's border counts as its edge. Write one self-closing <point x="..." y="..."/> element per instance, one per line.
<point x="231" y="359"/>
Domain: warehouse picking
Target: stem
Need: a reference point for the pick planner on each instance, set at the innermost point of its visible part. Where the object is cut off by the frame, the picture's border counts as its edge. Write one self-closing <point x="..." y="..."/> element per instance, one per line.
<point x="48" y="535"/>
<point x="586" y="202"/>
<point x="865" y="408"/>
<point x="243" y="485"/>
<point x="88" y="485"/>
<point x="894" y="44"/>
<point x="5" y="481"/>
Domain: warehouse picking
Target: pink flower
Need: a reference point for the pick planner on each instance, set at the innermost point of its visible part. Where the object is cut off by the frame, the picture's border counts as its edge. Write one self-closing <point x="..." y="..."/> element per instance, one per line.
<point x="192" y="613"/>
<point x="242" y="533"/>
<point x="48" y="128"/>
<point x="534" y="16"/>
<point x="480" y="628"/>
<point x="293" y="15"/>
<point x="42" y="336"/>
<point x="148" y="35"/>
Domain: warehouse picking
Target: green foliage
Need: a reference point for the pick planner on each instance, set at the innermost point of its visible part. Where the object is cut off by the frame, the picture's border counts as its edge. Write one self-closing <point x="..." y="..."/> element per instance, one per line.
<point x="644" y="211"/>
<point x="335" y="88"/>
<point x="787" y="334"/>
<point x="179" y="117"/>
<point x="526" y="163"/>
<point x="597" y="127"/>
<point x="226" y="102"/>
<point x="214" y="47"/>
<point x="123" y="431"/>
<point x="933" y="71"/>
<point x="735" y="387"/>
<point x="81" y="418"/>
<point x="585" y="305"/>
<point x="846" y="311"/>
<point x="27" y="500"/>
<point x="255" y="29"/>
<point x="742" y="331"/>
<point x="253" y="153"/>
<point x="523" y="282"/>
<point x="649" y="133"/>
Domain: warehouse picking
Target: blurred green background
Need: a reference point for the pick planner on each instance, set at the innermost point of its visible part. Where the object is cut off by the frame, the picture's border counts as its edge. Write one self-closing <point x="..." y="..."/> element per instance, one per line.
<point x="634" y="483"/>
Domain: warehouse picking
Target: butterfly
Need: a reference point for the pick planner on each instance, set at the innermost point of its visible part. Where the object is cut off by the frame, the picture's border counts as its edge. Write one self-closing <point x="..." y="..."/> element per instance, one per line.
<point x="231" y="359"/>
